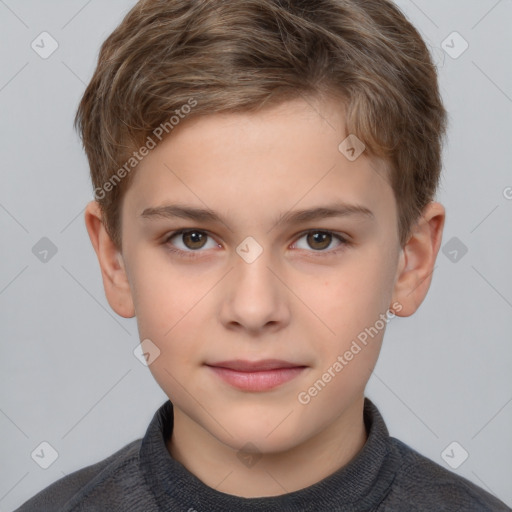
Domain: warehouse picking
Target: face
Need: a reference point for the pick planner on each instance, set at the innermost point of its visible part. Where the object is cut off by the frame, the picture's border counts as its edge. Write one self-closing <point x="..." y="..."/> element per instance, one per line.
<point x="295" y="256"/>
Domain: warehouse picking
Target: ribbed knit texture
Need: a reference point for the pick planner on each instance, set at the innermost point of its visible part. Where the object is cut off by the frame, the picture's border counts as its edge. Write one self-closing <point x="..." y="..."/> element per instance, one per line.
<point x="385" y="476"/>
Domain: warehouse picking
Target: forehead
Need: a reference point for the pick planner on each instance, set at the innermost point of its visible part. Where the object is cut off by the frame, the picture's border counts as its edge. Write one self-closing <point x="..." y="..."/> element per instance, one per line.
<point x="256" y="163"/>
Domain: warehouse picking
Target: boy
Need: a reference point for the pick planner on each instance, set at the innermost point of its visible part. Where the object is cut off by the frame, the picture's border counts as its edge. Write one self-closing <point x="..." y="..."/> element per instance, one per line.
<point x="264" y="176"/>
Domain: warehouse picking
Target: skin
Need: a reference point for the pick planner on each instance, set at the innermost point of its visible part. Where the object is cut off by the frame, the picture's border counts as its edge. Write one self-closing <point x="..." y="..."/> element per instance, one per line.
<point x="298" y="301"/>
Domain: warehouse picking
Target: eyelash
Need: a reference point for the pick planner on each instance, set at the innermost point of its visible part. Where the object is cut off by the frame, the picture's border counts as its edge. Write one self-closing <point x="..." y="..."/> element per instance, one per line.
<point x="344" y="243"/>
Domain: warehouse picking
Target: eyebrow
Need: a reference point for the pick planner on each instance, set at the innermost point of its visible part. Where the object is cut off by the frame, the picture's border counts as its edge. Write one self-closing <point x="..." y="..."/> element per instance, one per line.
<point x="291" y="217"/>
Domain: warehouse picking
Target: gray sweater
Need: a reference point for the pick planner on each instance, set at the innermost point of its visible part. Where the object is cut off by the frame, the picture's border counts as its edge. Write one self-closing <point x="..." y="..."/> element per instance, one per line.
<point x="386" y="475"/>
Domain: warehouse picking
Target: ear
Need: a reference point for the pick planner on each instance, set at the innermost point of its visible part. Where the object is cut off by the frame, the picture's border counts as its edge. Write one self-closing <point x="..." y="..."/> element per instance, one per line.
<point x="417" y="260"/>
<point x="115" y="280"/>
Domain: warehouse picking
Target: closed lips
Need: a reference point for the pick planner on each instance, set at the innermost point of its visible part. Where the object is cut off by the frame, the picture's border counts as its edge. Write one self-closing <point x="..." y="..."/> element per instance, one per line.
<point x="240" y="365"/>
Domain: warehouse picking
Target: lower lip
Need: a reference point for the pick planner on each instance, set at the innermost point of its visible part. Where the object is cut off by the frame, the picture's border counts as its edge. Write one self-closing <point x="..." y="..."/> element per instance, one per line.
<point x="257" y="381"/>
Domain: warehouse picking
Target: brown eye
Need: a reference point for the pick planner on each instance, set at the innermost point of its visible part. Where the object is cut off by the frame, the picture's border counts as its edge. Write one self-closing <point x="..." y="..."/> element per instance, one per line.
<point x="190" y="243"/>
<point x="322" y="242"/>
<point x="319" y="240"/>
<point x="194" y="239"/>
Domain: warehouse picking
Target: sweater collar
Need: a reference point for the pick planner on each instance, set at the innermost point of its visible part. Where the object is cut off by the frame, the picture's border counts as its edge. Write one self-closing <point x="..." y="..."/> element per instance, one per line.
<point x="363" y="481"/>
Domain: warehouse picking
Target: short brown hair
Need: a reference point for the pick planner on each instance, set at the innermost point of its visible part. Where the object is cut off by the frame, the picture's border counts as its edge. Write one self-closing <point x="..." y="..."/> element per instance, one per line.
<point x="242" y="55"/>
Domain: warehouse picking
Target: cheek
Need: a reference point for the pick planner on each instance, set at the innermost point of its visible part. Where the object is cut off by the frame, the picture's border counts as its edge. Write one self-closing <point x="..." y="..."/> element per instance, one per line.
<point x="158" y="308"/>
<point x="354" y="298"/>
<point x="163" y="294"/>
<point x="167" y="316"/>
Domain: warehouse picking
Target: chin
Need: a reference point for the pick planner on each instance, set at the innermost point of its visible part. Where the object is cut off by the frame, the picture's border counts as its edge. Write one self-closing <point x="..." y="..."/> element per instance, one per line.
<point x="254" y="438"/>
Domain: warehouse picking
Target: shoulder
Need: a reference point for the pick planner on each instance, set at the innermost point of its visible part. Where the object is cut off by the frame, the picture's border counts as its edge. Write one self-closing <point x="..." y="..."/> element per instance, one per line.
<point x="423" y="485"/>
<point x="109" y="480"/>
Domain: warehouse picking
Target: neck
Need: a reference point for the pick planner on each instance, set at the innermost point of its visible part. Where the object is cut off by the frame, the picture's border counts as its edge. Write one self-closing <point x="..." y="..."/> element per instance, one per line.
<point x="273" y="474"/>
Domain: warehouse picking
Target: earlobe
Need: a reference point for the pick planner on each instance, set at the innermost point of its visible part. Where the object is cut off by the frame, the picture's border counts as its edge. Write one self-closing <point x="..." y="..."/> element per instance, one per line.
<point x="417" y="260"/>
<point x="115" y="279"/>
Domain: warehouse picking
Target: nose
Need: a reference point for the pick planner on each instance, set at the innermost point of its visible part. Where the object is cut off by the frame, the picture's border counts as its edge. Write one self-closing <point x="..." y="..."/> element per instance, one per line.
<point x="255" y="298"/>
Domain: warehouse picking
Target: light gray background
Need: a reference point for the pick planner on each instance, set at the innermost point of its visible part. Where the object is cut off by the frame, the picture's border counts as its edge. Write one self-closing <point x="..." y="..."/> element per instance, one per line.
<point x="69" y="376"/>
